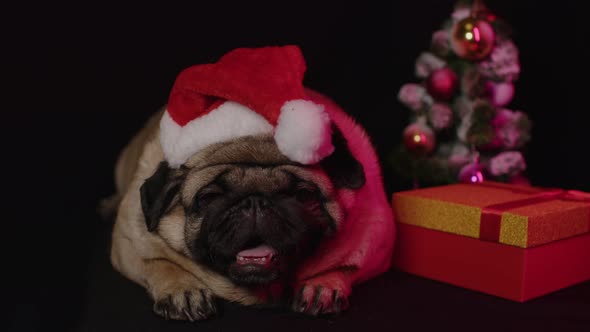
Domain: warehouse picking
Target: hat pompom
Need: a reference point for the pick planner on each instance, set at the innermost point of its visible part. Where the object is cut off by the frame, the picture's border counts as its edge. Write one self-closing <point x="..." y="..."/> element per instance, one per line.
<point x="303" y="132"/>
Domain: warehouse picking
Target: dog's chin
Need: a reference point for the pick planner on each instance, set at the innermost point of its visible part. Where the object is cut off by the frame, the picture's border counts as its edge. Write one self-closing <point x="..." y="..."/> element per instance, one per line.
<point x="252" y="274"/>
<point x="257" y="266"/>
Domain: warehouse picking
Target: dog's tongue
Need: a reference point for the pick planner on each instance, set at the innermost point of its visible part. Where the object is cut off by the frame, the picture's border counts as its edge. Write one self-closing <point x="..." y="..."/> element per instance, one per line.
<point x="259" y="255"/>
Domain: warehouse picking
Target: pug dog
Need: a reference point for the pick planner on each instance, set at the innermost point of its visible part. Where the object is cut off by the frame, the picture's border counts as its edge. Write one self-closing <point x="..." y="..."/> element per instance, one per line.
<point x="241" y="221"/>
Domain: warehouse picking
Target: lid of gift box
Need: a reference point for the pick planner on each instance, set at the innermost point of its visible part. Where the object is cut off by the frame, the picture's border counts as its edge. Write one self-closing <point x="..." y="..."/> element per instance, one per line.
<point x="515" y="215"/>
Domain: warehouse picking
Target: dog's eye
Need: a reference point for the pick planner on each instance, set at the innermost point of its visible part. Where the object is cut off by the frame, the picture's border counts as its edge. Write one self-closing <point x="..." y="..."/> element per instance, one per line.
<point x="206" y="196"/>
<point x="306" y="194"/>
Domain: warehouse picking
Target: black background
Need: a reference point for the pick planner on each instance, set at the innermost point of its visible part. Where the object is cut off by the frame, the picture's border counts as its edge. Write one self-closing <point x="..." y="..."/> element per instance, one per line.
<point x="80" y="79"/>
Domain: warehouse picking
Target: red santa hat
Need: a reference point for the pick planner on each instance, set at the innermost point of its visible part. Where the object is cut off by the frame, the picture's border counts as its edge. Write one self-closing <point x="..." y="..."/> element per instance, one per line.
<point x="249" y="91"/>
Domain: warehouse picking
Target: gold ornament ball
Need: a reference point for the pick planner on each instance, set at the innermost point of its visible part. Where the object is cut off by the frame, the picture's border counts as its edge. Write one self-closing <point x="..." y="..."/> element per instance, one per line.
<point x="472" y="38"/>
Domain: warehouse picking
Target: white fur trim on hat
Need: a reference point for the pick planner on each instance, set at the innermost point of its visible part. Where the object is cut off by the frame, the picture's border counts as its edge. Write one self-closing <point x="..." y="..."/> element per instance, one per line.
<point x="229" y="120"/>
<point x="303" y="131"/>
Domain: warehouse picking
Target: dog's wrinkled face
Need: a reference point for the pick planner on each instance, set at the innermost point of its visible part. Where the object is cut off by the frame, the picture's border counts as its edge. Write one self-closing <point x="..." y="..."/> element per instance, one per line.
<point x="243" y="209"/>
<point x="255" y="222"/>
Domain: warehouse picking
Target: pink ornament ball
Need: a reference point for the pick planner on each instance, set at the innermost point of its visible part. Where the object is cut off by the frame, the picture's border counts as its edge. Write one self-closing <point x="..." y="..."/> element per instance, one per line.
<point x="442" y="84"/>
<point x="471" y="173"/>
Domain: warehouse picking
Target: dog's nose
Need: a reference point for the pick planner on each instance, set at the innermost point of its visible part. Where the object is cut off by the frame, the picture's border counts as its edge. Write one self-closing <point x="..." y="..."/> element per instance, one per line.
<point x="256" y="202"/>
<point x="253" y="207"/>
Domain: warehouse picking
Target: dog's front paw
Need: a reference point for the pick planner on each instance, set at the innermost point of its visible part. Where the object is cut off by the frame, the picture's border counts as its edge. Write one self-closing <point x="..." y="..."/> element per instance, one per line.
<point x="324" y="294"/>
<point x="192" y="304"/>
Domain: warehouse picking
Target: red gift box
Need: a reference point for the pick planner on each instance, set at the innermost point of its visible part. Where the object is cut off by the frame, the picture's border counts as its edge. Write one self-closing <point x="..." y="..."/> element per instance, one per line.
<point x="482" y="263"/>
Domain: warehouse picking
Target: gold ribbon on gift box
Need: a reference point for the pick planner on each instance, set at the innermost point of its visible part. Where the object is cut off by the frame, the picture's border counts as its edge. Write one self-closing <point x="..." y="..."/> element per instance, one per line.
<point x="513" y="215"/>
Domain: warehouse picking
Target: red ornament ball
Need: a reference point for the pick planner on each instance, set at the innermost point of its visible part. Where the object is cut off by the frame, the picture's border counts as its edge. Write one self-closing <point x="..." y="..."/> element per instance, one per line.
<point x="442" y="83"/>
<point x="419" y="139"/>
<point x="472" y="38"/>
<point x="471" y="173"/>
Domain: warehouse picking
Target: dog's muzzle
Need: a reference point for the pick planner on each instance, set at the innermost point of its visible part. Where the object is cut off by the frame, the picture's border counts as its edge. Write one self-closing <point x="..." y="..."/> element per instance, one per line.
<point x="257" y="262"/>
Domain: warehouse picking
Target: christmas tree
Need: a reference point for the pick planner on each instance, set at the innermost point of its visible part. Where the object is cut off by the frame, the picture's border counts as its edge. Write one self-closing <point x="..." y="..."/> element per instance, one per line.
<point x="461" y="128"/>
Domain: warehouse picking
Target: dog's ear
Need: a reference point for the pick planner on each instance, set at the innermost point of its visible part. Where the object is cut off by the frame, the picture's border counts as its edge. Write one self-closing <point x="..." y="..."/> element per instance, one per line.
<point x="157" y="192"/>
<point x="342" y="168"/>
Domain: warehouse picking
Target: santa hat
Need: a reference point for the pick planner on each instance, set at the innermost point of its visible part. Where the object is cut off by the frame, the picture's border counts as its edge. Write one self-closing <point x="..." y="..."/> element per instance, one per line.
<point x="249" y="91"/>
